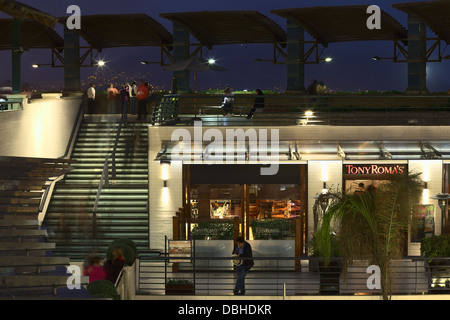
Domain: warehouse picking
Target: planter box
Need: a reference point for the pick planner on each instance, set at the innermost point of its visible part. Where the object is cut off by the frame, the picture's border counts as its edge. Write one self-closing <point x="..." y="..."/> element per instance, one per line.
<point x="179" y="290"/>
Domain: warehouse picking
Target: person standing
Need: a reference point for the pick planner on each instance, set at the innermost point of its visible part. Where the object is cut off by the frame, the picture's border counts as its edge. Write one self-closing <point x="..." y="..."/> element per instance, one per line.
<point x="132" y="90"/>
<point x="91" y="98"/>
<point x="113" y="267"/>
<point x="111" y="96"/>
<point x="258" y="105"/>
<point x="242" y="249"/>
<point x="227" y="103"/>
<point x="124" y="97"/>
<point x="142" y="95"/>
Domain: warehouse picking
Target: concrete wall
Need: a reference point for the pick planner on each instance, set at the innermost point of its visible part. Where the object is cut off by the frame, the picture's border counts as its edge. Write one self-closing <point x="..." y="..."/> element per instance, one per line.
<point x="319" y="172"/>
<point x="431" y="172"/>
<point x="41" y="130"/>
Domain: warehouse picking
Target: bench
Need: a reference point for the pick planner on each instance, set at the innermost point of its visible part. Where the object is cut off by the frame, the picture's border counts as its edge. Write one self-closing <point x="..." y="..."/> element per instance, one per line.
<point x="11" y="104"/>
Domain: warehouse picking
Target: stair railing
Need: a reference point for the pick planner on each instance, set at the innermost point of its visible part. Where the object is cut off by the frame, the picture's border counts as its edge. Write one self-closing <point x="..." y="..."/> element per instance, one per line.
<point x="46" y="197"/>
<point x="104" y="179"/>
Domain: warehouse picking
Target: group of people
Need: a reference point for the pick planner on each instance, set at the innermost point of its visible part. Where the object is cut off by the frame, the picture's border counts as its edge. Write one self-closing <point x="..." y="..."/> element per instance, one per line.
<point x="134" y="94"/>
<point x="108" y="270"/>
<point x="228" y="99"/>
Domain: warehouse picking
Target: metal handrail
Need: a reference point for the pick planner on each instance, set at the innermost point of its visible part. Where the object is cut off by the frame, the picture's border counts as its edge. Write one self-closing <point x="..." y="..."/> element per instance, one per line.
<point x="73" y="133"/>
<point x="328" y="109"/>
<point x="45" y="200"/>
<point x="104" y="179"/>
<point x="291" y="276"/>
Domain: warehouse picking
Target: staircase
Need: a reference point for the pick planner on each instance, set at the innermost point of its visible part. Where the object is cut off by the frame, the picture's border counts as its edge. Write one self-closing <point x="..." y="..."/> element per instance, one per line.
<point x="28" y="268"/>
<point x="122" y="209"/>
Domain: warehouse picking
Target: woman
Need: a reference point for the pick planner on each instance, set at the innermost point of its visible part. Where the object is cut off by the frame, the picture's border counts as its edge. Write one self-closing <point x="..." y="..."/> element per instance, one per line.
<point x="227" y="103"/>
<point x="258" y="105"/>
<point x="114" y="266"/>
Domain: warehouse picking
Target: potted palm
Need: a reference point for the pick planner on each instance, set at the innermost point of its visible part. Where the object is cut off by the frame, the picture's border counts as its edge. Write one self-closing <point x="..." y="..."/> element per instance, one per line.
<point x="372" y="225"/>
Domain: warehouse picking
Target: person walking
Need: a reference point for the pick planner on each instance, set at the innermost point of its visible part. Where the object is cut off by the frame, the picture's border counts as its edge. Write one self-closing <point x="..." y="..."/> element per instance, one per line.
<point x="258" y="105"/>
<point x="91" y="98"/>
<point x="242" y="249"/>
<point x="142" y="95"/>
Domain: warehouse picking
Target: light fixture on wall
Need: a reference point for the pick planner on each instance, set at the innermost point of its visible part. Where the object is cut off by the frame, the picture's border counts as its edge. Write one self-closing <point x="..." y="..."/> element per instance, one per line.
<point x="165" y="164"/>
<point x="425" y="192"/>
<point x="425" y="195"/>
<point x="324" y="179"/>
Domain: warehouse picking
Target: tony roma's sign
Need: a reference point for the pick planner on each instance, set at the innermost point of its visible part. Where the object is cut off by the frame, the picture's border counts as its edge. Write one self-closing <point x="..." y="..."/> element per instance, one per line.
<point x="375" y="169"/>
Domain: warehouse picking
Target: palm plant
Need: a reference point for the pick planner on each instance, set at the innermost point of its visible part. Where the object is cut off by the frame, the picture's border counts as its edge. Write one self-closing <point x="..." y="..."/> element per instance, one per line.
<point x="371" y="225"/>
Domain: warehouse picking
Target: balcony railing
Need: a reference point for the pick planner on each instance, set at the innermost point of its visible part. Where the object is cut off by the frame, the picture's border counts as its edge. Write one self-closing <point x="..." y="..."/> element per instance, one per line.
<point x="336" y="110"/>
<point x="289" y="276"/>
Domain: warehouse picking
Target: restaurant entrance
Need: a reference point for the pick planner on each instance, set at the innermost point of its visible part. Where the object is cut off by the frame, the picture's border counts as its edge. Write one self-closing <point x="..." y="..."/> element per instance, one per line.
<point x="266" y="207"/>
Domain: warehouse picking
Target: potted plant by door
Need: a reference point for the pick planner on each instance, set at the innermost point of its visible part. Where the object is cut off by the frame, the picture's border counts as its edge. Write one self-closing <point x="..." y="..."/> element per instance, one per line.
<point x="179" y="287"/>
<point x="437" y="251"/>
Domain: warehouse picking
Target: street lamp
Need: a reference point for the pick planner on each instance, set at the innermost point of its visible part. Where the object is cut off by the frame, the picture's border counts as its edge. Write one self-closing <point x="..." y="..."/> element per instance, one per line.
<point x="101" y="63"/>
<point x="376" y="58"/>
<point x="211" y="61"/>
<point x="38" y="65"/>
<point x="442" y="199"/>
<point x="327" y="59"/>
<point x="145" y="62"/>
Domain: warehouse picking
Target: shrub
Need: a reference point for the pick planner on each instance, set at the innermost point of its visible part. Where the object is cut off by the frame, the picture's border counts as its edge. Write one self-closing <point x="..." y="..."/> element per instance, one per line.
<point x="436" y="246"/>
<point x="103" y="289"/>
<point x="129" y="250"/>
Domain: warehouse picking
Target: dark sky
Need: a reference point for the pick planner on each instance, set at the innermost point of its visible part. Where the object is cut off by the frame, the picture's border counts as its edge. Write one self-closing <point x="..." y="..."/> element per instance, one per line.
<point x="352" y="69"/>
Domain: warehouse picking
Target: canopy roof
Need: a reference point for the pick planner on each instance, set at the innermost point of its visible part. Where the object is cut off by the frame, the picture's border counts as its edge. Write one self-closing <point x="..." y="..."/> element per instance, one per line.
<point x="435" y="14"/>
<point x="229" y="27"/>
<point x="123" y="30"/>
<point x="317" y="150"/>
<point x="33" y="35"/>
<point x="22" y="11"/>
<point x="343" y="23"/>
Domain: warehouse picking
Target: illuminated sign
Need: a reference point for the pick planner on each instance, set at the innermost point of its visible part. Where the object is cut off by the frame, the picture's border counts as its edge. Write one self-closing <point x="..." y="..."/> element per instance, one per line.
<point x="375" y="169"/>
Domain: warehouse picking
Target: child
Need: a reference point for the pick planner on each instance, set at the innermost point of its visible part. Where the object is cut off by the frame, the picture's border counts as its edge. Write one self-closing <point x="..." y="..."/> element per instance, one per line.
<point x="94" y="269"/>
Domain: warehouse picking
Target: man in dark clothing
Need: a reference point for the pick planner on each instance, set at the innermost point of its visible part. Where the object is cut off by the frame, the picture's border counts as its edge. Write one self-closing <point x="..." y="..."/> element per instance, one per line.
<point x="242" y="249"/>
<point x="258" y="105"/>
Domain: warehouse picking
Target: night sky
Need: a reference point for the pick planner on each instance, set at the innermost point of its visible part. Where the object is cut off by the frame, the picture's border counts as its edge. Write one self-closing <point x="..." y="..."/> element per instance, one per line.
<point x="351" y="70"/>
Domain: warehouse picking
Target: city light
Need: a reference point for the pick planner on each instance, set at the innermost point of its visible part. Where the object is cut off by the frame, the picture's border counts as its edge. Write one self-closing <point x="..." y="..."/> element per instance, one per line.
<point x="328" y="59"/>
<point x="35" y="66"/>
<point x="211" y="61"/>
<point x="101" y="63"/>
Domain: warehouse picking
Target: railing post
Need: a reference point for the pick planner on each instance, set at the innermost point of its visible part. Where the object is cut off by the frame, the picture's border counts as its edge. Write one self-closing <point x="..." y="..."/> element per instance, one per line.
<point x="298" y="241"/>
<point x="176" y="228"/>
<point x="235" y="229"/>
